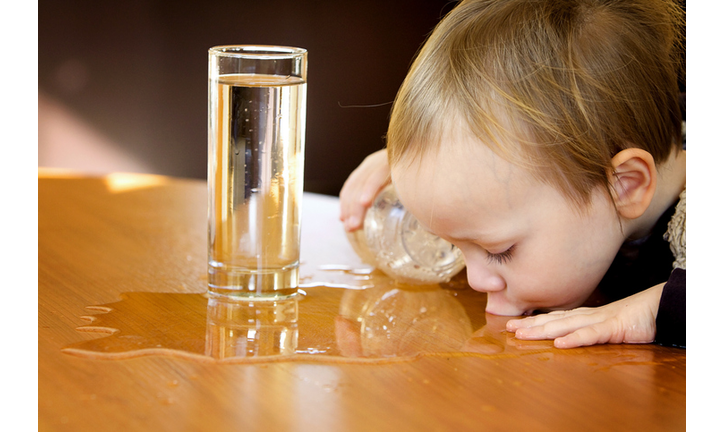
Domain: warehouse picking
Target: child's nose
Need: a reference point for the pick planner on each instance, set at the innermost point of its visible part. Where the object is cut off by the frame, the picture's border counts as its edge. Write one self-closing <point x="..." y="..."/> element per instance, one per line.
<point x="482" y="279"/>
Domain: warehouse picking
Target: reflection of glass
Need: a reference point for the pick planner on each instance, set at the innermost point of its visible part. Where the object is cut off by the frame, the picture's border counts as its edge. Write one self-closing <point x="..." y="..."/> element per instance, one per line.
<point x="257" y="111"/>
<point x="389" y="320"/>
<point x="401" y="320"/>
<point x="393" y="241"/>
<point x="246" y="328"/>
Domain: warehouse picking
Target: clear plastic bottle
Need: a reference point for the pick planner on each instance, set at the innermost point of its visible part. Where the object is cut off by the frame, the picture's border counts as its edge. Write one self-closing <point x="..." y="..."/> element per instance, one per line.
<point x="393" y="241"/>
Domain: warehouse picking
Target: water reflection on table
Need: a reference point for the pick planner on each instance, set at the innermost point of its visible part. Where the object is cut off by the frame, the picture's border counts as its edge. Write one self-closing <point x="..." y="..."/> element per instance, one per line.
<point x="243" y="328"/>
<point x="387" y="320"/>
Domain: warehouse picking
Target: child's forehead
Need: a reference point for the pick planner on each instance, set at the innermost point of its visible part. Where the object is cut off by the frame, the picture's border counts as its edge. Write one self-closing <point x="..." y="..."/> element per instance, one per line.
<point x="468" y="194"/>
<point x="456" y="142"/>
<point x="460" y="162"/>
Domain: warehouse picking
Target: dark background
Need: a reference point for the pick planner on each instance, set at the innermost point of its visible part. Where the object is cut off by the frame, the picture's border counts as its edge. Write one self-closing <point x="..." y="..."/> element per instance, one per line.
<point x="137" y="71"/>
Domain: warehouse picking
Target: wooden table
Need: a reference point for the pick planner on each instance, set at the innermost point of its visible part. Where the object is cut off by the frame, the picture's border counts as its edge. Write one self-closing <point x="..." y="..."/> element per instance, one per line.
<point x="157" y="355"/>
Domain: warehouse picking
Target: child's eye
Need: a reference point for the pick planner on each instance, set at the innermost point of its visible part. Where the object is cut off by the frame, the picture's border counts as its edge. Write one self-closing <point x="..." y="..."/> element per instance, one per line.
<point x="502" y="257"/>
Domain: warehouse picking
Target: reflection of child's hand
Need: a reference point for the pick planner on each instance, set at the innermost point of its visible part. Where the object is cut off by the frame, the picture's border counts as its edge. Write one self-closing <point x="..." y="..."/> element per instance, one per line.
<point x="629" y="320"/>
<point x="361" y="188"/>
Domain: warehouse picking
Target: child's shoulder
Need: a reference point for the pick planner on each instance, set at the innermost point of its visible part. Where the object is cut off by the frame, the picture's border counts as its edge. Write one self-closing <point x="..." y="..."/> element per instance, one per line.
<point x="676" y="232"/>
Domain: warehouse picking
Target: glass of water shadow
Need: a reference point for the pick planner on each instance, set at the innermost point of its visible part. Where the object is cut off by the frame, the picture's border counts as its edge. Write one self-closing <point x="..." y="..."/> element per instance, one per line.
<point x="257" y="120"/>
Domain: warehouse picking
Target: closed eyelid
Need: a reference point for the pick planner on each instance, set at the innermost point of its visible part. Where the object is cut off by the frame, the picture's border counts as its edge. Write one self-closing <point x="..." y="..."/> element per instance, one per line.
<point x="505" y="248"/>
<point x="499" y="249"/>
<point x="501" y="257"/>
<point x="485" y="244"/>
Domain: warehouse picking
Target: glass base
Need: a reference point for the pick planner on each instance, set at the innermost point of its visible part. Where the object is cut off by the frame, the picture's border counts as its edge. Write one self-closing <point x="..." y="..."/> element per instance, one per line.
<point x="264" y="284"/>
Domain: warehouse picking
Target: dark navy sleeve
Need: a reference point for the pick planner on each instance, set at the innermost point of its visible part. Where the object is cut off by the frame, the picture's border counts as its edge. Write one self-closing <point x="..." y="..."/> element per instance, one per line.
<point x="671" y="318"/>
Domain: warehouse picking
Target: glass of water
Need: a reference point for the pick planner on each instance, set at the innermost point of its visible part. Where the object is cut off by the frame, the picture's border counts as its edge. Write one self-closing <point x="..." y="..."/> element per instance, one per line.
<point x="257" y="119"/>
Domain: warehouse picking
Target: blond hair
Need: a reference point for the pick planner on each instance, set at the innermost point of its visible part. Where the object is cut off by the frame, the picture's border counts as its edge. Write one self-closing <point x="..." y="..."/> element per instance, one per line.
<point x="557" y="86"/>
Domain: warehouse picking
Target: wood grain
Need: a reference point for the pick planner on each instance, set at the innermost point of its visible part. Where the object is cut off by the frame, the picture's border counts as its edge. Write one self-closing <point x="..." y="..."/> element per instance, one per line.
<point x="103" y="238"/>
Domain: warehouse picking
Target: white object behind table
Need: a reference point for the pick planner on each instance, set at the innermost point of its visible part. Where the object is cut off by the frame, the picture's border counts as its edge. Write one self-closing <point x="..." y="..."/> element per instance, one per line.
<point x="327" y="258"/>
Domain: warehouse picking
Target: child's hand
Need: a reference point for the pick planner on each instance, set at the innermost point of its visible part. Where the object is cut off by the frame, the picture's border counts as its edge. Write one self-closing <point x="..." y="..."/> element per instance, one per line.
<point x="629" y="320"/>
<point x="361" y="188"/>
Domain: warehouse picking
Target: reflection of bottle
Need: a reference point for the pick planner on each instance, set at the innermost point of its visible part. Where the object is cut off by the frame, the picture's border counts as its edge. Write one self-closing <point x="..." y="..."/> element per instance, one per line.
<point x="246" y="328"/>
<point x="393" y="241"/>
<point x="397" y="320"/>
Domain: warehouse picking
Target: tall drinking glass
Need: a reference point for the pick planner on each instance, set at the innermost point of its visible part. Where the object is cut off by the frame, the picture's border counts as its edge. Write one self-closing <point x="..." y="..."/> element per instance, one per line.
<point x="257" y="119"/>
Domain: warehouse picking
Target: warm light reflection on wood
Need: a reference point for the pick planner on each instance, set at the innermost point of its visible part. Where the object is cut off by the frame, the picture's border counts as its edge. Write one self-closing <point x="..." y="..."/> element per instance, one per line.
<point x="124" y="182"/>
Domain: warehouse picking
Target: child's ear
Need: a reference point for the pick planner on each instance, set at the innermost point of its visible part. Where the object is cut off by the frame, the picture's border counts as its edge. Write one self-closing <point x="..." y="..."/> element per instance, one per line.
<point x="633" y="181"/>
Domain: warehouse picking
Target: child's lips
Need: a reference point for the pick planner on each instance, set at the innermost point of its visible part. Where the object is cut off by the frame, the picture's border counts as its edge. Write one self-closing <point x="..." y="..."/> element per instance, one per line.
<point x="499" y="305"/>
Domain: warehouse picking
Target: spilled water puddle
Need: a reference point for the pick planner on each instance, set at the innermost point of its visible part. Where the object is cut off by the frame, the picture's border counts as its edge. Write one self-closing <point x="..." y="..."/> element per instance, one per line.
<point x="364" y="317"/>
<point x="382" y="321"/>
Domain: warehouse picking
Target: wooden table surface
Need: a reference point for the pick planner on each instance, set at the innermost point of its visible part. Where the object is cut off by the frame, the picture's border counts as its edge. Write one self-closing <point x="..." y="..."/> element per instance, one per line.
<point x="128" y="341"/>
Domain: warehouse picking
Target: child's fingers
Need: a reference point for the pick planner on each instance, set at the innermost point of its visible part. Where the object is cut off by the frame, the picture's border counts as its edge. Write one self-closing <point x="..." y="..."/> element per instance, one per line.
<point x="574" y="340"/>
<point x="599" y="333"/>
<point x="377" y="179"/>
<point x="555" y="326"/>
<point x="361" y="188"/>
<point x="355" y="202"/>
<point x="350" y="207"/>
<point x="515" y="324"/>
<point x="608" y="331"/>
<point x="629" y="320"/>
<point x="538" y="320"/>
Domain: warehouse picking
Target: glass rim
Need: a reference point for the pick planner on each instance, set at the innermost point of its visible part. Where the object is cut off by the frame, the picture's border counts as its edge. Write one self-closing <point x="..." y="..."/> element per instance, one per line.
<point x="257" y="51"/>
